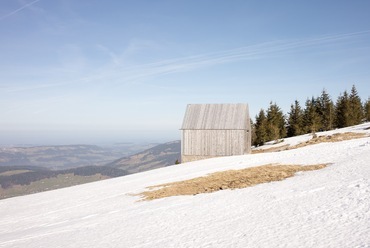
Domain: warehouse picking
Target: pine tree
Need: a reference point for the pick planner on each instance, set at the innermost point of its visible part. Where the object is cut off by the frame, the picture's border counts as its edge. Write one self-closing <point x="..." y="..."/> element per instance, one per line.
<point x="253" y="132"/>
<point x="342" y="111"/>
<point x="367" y="109"/>
<point x="260" y="129"/>
<point x="325" y="109"/>
<point x="295" y="120"/>
<point x="275" y="122"/>
<point x="319" y="113"/>
<point x="356" y="112"/>
<point x="311" y="118"/>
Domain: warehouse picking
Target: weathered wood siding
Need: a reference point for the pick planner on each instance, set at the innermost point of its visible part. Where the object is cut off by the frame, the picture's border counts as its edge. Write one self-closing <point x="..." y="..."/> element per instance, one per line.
<point x="215" y="142"/>
<point x="212" y="130"/>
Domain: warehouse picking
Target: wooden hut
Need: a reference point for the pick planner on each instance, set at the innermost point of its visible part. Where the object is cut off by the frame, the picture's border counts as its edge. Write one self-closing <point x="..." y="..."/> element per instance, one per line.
<point x="212" y="130"/>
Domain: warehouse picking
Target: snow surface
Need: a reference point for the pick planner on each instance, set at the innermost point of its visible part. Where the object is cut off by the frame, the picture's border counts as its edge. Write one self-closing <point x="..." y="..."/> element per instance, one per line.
<point x="323" y="208"/>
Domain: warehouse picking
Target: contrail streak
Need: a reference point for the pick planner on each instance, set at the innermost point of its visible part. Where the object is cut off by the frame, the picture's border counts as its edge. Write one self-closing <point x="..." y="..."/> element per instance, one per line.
<point x="19" y="9"/>
<point x="124" y="74"/>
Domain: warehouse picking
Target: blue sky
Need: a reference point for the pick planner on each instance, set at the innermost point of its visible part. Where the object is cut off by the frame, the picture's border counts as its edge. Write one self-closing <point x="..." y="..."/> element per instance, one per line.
<point x="93" y="71"/>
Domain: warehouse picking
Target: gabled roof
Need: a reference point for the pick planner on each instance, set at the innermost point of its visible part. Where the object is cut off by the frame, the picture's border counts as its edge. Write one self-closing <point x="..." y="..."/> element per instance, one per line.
<point x="216" y="117"/>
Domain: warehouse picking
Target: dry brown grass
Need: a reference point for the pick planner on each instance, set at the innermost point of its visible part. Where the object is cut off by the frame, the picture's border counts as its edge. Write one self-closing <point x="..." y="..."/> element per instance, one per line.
<point x="337" y="137"/>
<point x="231" y="179"/>
<point x="316" y="140"/>
<point x="13" y="172"/>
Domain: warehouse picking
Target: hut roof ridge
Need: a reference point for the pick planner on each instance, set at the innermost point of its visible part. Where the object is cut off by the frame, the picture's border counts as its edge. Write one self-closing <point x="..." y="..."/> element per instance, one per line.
<point x="229" y="116"/>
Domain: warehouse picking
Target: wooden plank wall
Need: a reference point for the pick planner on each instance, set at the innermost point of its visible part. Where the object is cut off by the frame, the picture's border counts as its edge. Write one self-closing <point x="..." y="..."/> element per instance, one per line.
<point x="215" y="142"/>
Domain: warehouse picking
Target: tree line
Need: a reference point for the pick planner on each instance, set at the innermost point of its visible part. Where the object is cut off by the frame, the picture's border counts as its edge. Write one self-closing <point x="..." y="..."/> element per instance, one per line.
<point x="318" y="114"/>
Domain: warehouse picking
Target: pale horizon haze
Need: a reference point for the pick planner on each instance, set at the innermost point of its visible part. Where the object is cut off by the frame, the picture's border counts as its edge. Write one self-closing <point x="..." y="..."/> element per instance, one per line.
<point x="93" y="72"/>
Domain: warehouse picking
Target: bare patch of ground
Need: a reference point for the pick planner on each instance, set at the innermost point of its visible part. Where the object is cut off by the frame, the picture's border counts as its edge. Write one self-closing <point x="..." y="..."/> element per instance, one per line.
<point x="231" y="179"/>
<point x="272" y="149"/>
<point x="316" y="140"/>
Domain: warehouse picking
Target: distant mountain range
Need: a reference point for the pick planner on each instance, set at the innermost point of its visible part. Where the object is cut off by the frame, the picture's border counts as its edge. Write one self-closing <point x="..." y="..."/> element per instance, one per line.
<point x="57" y="166"/>
<point x="67" y="156"/>
<point x="156" y="157"/>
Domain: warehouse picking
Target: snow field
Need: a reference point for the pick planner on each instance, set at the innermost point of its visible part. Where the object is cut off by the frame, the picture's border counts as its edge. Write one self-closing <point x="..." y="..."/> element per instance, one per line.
<point x="324" y="208"/>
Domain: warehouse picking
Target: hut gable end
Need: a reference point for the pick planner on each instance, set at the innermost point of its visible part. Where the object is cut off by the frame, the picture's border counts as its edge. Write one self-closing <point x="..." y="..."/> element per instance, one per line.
<point x="211" y="130"/>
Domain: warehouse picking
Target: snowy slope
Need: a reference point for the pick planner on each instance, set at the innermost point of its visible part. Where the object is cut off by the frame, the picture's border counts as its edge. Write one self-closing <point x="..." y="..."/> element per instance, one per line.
<point x="324" y="208"/>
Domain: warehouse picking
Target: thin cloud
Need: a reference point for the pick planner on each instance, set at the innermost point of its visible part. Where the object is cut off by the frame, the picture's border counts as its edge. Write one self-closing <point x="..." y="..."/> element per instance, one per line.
<point x="39" y="105"/>
<point x="19" y="9"/>
<point x="253" y="52"/>
<point x="121" y="75"/>
<point x="28" y="88"/>
<point x="110" y="53"/>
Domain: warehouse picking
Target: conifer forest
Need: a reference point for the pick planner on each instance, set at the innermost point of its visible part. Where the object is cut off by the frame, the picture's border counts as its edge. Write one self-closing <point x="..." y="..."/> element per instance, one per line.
<point x="318" y="114"/>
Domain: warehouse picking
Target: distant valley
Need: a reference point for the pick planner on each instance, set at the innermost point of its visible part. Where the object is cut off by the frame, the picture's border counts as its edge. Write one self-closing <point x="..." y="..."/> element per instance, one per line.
<point x="22" y="180"/>
<point x="67" y="156"/>
<point x="26" y="170"/>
